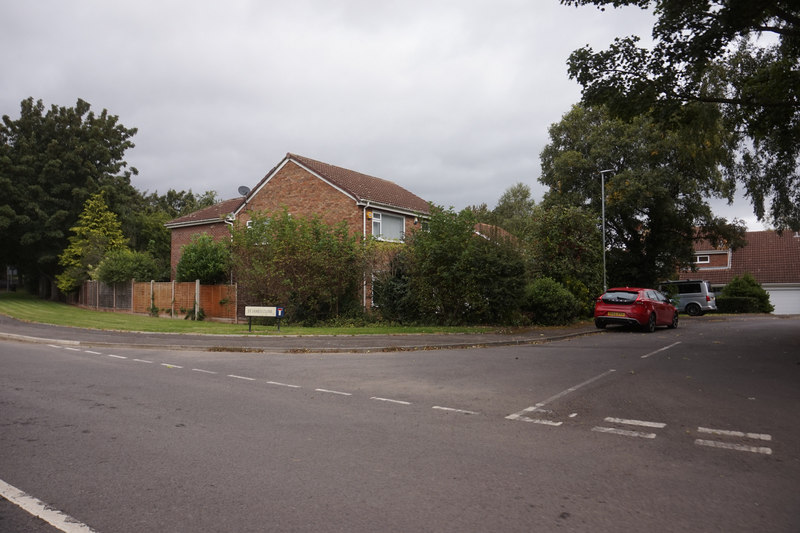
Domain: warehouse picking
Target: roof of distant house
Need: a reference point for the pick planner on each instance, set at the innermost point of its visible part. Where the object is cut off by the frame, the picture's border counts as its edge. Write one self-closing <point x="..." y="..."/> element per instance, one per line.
<point x="208" y="215"/>
<point x="769" y="257"/>
<point x="362" y="187"/>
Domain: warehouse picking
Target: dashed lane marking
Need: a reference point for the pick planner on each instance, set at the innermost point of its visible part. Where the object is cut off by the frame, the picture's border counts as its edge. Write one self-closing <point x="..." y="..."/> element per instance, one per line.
<point x="389" y="400"/>
<point x="203" y="371"/>
<point x="168" y="365"/>
<point x="93" y="353"/>
<point x="278" y="383"/>
<point x="453" y="410"/>
<point x="731" y="446"/>
<point x="334" y="392"/>
<point x="731" y="433"/>
<point x="645" y="356"/>
<point x="624" y="432"/>
<point x="538" y="406"/>
<point x="143" y="361"/>
<point x="629" y="422"/>
<point x="241" y="377"/>
<point x="116" y="356"/>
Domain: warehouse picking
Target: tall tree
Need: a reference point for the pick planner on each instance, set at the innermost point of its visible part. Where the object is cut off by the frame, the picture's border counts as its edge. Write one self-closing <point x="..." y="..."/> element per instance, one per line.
<point x="657" y="189"/>
<point x="741" y="57"/>
<point x="51" y="162"/>
<point x="97" y="232"/>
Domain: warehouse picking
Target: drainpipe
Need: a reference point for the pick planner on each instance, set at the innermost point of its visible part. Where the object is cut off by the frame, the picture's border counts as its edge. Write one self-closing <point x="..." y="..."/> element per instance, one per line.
<point x="364" y="232"/>
<point x="229" y="221"/>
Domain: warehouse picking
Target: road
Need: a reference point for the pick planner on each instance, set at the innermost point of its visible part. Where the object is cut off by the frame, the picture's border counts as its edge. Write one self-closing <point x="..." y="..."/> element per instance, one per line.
<point x="693" y="429"/>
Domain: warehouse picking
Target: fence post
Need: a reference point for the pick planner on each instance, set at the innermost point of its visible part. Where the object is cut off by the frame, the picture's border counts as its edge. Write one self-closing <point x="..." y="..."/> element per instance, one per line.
<point x="196" y="297"/>
<point x="133" y="293"/>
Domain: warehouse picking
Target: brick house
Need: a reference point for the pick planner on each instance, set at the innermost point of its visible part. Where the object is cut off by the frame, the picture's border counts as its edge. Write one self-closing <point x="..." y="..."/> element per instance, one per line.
<point x="772" y="259"/>
<point x="370" y="206"/>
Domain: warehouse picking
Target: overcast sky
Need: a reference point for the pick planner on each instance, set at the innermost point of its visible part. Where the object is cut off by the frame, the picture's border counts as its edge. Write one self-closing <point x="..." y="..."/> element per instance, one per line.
<point x="449" y="99"/>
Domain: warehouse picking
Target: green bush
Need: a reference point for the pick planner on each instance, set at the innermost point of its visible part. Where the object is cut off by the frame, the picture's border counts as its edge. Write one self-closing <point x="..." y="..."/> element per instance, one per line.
<point x="747" y="286"/>
<point x="123" y="265"/>
<point x="737" y="304"/>
<point x="549" y="303"/>
<point x="204" y="259"/>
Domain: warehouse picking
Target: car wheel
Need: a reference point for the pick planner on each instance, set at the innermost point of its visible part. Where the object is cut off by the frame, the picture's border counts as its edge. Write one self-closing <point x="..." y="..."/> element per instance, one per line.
<point x="599" y="324"/>
<point x="693" y="310"/>
<point x="674" y="323"/>
<point x="651" y="323"/>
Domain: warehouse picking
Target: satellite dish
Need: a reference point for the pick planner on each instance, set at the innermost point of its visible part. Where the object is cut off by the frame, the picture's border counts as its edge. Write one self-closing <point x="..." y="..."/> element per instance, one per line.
<point x="243" y="190"/>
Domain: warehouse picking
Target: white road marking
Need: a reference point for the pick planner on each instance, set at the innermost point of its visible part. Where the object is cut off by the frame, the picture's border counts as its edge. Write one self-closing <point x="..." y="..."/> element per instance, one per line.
<point x="730" y="446"/>
<point x="168" y="365"/>
<point x="117" y="356"/>
<point x="538" y="421"/>
<point x="452" y="410"/>
<point x="93" y="353"/>
<point x="624" y="432"/>
<point x="334" y="392"/>
<point x="628" y="422"/>
<point x="55" y="346"/>
<point x="143" y="361"/>
<point x="538" y="406"/>
<point x="283" y="384"/>
<point x="729" y="433"/>
<point x="72" y="349"/>
<point x="241" y="377"/>
<point x="401" y="402"/>
<point x="661" y="349"/>
<point x="203" y="371"/>
<point x="39" y="509"/>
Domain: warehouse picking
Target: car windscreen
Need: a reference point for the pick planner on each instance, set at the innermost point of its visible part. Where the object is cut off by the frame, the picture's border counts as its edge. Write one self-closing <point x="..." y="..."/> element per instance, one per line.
<point x="620" y="297"/>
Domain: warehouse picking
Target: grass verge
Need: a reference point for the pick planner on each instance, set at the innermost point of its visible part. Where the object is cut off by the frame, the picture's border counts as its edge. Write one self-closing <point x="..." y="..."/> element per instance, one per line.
<point x="25" y="307"/>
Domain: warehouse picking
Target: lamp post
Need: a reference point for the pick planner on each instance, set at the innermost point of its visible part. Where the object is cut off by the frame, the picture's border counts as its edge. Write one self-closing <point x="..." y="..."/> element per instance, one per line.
<point x="603" y="203"/>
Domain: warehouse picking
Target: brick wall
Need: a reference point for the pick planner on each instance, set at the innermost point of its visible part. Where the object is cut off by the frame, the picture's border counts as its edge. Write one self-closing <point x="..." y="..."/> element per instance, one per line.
<point x="303" y="194"/>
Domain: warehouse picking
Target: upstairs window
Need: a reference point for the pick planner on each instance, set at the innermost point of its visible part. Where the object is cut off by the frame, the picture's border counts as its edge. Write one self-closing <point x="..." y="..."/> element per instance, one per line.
<point x="702" y="259"/>
<point x="387" y="227"/>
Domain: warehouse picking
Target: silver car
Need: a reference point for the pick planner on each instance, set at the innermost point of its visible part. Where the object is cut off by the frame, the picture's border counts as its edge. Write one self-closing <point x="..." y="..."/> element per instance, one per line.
<point x="691" y="296"/>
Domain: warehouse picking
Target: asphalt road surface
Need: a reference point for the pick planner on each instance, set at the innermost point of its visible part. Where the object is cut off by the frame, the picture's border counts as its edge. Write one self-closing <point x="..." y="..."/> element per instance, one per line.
<point x="693" y="429"/>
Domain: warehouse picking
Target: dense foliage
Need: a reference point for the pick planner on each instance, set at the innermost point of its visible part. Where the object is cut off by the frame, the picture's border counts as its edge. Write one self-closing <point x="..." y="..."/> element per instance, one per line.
<point x="51" y="162"/>
<point x="313" y="270"/>
<point x="746" y="286"/>
<point x="204" y="259"/>
<point x="98" y="231"/>
<point x="548" y="303"/>
<point x="449" y="274"/>
<point x="123" y="264"/>
<point x="657" y="185"/>
<point x="739" y="59"/>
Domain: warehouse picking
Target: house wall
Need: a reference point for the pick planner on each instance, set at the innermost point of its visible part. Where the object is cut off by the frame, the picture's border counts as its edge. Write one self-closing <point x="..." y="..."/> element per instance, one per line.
<point x="304" y="194"/>
<point x="183" y="236"/>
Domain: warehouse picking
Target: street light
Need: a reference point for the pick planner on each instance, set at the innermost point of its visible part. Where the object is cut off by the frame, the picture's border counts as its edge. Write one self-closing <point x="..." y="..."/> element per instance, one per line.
<point x="603" y="200"/>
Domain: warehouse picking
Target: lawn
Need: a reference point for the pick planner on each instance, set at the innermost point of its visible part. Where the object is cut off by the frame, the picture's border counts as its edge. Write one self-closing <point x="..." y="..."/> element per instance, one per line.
<point x="23" y="306"/>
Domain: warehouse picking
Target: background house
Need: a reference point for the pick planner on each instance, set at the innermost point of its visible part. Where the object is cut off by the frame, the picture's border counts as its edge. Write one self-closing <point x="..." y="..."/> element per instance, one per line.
<point x="304" y="187"/>
<point x="772" y="259"/>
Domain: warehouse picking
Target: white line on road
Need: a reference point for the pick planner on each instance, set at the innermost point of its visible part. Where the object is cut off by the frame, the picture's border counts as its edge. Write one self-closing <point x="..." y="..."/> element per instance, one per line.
<point x="452" y="410"/>
<point x="538" y="406"/>
<point x="401" y="402"/>
<point x="203" y="371"/>
<point x="624" y="432"/>
<point x="168" y="365"/>
<point x="730" y="433"/>
<point x="334" y="392"/>
<point x="241" y="377"/>
<point x="628" y="422"/>
<point x="143" y="361"/>
<point x="93" y="353"/>
<point x="661" y="349"/>
<point x="738" y="447"/>
<point x="55" y="346"/>
<point x="117" y="356"/>
<point x="541" y="421"/>
<point x="72" y="349"/>
<point x="283" y="384"/>
<point x="39" y="509"/>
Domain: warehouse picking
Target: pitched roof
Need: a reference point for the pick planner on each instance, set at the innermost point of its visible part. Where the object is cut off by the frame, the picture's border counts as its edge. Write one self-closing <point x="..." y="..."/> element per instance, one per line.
<point x="362" y="187"/>
<point x="214" y="213"/>
<point x="769" y="257"/>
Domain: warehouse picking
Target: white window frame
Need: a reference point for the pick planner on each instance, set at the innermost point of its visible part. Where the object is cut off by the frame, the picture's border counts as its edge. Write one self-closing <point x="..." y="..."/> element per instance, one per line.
<point x="378" y="222"/>
<point x="703" y="259"/>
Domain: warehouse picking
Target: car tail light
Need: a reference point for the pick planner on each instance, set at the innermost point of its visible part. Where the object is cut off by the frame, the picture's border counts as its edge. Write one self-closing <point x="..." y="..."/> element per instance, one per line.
<point x="708" y="298"/>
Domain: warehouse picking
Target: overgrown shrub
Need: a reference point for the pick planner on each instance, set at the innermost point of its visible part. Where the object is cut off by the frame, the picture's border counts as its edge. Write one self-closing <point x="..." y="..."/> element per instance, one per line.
<point x="737" y="304"/>
<point x="549" y="303"/>
<point x="123" y="265"/>
<point x="747" y="286"/>
<point x="204" y="259"/>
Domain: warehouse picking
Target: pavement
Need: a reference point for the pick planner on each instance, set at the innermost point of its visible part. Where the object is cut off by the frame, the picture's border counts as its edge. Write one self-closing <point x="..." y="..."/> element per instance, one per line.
<point x="13" y="329"/>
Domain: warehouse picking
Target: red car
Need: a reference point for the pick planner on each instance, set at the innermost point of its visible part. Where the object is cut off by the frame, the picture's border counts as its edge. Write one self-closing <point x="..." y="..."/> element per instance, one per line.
<point x="632" y="306"/>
